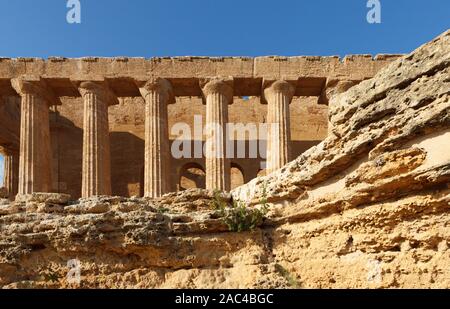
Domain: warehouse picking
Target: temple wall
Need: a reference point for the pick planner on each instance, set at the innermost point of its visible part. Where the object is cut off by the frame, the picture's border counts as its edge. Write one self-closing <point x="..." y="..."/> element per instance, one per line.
<point x="308" y="127"/>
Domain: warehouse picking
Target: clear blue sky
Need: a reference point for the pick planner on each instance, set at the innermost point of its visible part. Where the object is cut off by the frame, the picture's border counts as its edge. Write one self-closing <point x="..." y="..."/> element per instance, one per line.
<point x="149" y="28"/>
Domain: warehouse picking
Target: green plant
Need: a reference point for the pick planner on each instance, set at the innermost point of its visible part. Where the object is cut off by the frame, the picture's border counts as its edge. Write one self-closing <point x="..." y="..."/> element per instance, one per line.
<point x="238" y="216"/>
<point x="162" y="210"/>
<point x="287" y="276"/>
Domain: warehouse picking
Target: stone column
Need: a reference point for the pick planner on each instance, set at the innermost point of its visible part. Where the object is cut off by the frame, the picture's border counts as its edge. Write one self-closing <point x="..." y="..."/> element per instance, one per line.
<point x="218" y="94"/>
<point x="35" y="152"/>
<point x="96" y="170"/>
<point x="158" y="93"/>
<point x="11" y="172"/>
<point x="278" y="96"/>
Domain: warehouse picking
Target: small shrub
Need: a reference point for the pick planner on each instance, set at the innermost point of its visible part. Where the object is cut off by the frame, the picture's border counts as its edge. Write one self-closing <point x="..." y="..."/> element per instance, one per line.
<point x="162" y="210"/>
<point x="287" y="276"/>
<point x="239" y="217"/>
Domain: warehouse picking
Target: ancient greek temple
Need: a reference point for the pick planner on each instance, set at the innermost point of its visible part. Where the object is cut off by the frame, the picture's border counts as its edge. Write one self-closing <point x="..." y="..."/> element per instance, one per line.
<point x="103" y="126"/>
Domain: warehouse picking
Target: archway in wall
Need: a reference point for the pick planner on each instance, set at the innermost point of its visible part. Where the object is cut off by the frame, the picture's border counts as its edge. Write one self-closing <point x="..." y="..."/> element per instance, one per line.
<point x="192" y="175"/>
<point x="237" y="176"/>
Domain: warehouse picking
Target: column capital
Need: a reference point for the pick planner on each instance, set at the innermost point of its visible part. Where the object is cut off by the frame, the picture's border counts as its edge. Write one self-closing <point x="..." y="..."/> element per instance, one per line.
<point x="224" y="86"/>
<point x="160" y="85"/>
<point x="99" y="88"/>
<point x="273" y="87"/>
<point x="35" y="86"/>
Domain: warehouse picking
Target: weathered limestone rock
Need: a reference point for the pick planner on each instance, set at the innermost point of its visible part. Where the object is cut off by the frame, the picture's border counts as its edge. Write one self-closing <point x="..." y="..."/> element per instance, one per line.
<point x="366" y="208"/>
<point x="405" y="102"/>
<point x="55" y="198"/>
<point x="190" y="200"/>
<point x="332" y="88"/>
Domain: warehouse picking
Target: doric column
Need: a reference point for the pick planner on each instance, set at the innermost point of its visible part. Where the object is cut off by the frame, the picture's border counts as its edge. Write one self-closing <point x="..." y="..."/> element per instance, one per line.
<point x="278" y="97"/>
<point x="11" y="172"/>
<point x="35" y="152"/>
<point x="96" y="170"/>
<point x="218" y="94"/>
<point x="158" y="93"/>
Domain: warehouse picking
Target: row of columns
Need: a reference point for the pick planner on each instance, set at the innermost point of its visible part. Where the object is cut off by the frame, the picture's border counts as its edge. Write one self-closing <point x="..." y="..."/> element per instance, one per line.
<point x="35" y="151"/>
<point x="218" y="94"/>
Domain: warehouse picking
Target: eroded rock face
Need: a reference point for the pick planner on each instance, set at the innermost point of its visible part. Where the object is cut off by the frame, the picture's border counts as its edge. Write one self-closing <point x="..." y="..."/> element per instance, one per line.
<point x="368" y="207"/>
<point x="374" y="196"/>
